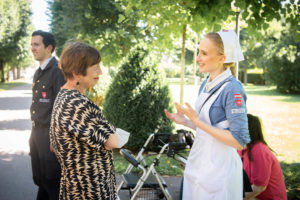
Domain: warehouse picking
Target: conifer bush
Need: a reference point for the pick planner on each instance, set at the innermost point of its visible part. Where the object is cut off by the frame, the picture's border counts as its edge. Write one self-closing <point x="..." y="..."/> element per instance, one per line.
<point x="284" y="66"/>
<point x="137" y="97"/>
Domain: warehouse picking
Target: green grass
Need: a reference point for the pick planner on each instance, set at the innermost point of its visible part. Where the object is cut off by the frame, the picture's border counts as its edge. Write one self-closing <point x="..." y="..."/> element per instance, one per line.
<point x="280" y="115"/>
<point x="291" y="173"/>
<point x="177" y="81"/>
<point x="272" y="93"/>
<point x="11" y="84"/>
<point x="281" y="118"/>
<point x="166" y="165"/>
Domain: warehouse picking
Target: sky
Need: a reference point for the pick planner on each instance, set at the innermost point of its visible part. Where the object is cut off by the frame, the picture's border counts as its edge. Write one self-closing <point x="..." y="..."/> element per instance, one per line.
<point x="39" y="17"/>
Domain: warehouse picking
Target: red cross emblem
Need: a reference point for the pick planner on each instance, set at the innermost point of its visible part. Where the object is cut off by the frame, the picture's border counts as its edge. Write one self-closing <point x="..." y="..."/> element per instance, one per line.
<point x="238" y="99"/>
<point x="44" y="95"/>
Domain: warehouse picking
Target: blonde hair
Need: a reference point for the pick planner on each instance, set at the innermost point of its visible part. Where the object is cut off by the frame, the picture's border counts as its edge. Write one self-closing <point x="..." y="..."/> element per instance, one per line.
<point x="217" y="40"/>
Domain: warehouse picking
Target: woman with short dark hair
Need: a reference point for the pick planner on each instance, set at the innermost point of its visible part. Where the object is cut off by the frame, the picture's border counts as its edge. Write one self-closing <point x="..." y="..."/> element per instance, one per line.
<point x="81" y="137"/>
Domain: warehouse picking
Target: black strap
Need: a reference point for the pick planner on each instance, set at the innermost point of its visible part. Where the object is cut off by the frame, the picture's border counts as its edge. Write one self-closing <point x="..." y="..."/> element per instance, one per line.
<point x="212" y="94"/>
<point x="243" y="151"/>
<point x="246" y="181"/>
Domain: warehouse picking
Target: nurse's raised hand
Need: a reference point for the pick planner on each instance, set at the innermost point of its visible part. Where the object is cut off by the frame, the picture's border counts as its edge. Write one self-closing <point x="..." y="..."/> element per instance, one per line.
<point x="188" y="111"/>
<point x="177" y="117"/>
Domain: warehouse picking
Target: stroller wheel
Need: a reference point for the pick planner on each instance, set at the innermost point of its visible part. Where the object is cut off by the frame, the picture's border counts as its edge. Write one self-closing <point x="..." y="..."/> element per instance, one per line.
<point x="160" y="194"/>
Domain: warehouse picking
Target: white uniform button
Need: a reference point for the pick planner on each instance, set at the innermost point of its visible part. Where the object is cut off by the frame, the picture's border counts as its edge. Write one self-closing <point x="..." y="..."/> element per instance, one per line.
<point x="33" y="112"/>
<point x="36" y="91"/>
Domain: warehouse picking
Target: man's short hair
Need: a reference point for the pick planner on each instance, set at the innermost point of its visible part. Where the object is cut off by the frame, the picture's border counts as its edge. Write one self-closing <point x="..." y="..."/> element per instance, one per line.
<point x="48" y="38"/>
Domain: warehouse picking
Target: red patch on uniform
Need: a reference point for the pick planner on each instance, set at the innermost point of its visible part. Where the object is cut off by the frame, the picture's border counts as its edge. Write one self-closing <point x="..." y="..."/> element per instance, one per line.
<point x="238" y="102"/>
<point x="44" y="95"/>
<point x="237" y="96"/>
<point x="224" y="30"/>
<point x="238" y="99"/>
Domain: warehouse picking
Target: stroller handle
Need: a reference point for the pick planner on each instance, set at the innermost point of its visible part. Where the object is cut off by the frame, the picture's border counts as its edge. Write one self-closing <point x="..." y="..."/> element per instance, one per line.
<point x="129" y="157"/>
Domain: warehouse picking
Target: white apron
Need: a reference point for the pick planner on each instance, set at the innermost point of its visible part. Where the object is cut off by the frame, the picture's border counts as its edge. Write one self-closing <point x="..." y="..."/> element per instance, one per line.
<point x="213" y="169"/>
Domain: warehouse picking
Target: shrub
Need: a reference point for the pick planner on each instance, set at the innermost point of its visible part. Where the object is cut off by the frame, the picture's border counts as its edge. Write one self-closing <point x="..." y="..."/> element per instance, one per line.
<point x="285" y="75"/>
<point x="137" y="97"/>
<point x="103" y="84"/>
<point x="284" y="67"/>
<point x="97" y="93"/>
<point x="291" y="175"/>
<point x="255" y="78"/>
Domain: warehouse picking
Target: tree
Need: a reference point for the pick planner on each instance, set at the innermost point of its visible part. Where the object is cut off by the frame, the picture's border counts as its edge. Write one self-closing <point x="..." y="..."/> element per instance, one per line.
<point x="15" y="19"/>
<point x="137" y="97"/>
<point x="284" y="66"/>
<point x="167" y="21"/>
<point x="23" y="57"/>
<point x="99" y="22"/>
<point x="277" y="53"/>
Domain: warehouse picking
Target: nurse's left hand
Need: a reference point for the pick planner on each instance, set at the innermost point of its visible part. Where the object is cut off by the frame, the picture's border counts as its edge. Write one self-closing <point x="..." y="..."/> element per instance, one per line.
<point x="188" y="111"/>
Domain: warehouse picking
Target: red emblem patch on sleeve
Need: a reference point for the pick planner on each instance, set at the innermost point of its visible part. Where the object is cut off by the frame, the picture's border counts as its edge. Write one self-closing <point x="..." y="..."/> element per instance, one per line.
<point x="238" y="99"/>
<point x="237" y="96"/>
<point x="44" y="95"/>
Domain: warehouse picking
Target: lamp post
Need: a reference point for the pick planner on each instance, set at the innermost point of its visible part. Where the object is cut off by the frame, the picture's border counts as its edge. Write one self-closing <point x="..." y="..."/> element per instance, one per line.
<point x="237" y="30"/>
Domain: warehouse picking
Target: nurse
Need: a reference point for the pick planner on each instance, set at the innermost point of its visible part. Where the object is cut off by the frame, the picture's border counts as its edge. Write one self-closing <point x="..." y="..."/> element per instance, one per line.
<point x="214" y="168"/>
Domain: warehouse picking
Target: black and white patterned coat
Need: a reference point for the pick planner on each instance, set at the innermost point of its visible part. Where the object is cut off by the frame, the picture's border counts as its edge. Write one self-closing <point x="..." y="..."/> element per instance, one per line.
<point x="78" y="132"/>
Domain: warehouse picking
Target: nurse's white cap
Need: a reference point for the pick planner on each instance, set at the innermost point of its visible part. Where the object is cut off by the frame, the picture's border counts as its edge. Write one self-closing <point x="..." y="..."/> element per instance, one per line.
<point x="232" y="48"/>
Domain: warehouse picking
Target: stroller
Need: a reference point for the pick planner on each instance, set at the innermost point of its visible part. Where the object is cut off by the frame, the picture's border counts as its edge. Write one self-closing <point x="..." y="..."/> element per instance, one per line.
<point x="149" y="184"/>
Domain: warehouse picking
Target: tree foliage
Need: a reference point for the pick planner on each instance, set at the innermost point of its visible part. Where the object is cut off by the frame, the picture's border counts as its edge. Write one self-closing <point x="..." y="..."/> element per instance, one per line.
<point x="114" y="26"/>
<point x="277" y="53"/>
<point x="99" y="22"/>
<point x="14" y="27"/>
<point x="166" y="18"/>
<point x="137" y="97"/>
<point x="284" y="66"/>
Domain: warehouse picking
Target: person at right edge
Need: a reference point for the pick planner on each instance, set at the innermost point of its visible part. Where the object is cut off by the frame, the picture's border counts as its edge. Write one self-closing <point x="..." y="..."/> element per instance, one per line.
<point x="214" y="168"/>
<point x="262" y="166"/>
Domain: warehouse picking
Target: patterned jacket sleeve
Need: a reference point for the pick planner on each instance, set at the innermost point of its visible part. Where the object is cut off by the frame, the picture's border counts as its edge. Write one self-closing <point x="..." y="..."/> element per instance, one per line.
<point x="89" y="125"/>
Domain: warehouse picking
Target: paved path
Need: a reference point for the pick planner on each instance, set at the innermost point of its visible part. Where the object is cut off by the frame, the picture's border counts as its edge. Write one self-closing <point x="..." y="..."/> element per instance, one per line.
<point x="15" y="126"/>
<point x="15" y="167"/>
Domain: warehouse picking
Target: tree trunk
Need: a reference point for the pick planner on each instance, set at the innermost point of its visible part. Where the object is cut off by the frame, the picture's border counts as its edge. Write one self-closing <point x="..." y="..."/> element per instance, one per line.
<point x="196" y="79"/>
<point x="14" y="73"/>
<point x="182" y="64"/>
<point x="8" y="76"/>
<point x="2" y="71"/>
<point x="245" y="76"/>
<point x="195" y="56"/>
<point x="18" y="73"/>
<point x="108" y="68"/>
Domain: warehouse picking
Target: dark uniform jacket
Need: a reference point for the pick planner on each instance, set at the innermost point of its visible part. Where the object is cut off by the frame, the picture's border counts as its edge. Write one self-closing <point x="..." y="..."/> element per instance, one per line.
<point x="46" y="85"/>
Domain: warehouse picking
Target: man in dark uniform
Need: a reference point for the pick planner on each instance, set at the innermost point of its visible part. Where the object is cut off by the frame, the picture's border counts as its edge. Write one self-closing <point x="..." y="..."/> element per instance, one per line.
<point x="47" y="81"/>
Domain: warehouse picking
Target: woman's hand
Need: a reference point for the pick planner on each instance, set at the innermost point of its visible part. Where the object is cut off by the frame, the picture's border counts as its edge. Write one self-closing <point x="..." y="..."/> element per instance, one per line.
<point x="177" y="117"/>
<point x="111" y="142"/>
<point x="194" y="122"/>
<point x="188" y="111"/>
